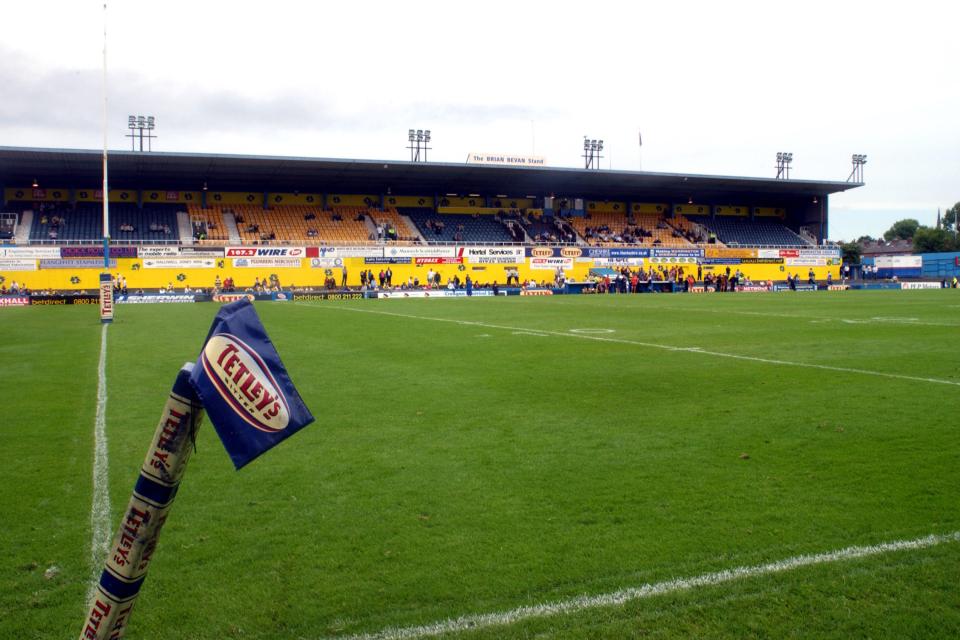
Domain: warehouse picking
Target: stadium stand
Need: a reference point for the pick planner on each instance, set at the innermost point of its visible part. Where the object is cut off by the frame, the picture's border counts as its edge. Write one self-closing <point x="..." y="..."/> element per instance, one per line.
<point x="735" y="231"/>
<point x="610" y="229"/>
<point x="208" y="224"/>
<point x="156" y="223"/>
<point x="545" y="229"/>
<point x="66" y="223"/>
<point x="451" y="227"/>
<point x="389" y="219"/>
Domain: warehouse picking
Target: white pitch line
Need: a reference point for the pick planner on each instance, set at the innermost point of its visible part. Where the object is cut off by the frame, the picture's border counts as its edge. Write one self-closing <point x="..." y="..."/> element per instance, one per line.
<point x="619" y="598"/>
<point x="100" y="508"/>
<point x="654" y="345"/>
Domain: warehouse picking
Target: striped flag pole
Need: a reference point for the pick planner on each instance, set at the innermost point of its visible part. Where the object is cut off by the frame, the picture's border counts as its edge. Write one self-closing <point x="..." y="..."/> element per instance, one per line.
<point x="146" y="513"/>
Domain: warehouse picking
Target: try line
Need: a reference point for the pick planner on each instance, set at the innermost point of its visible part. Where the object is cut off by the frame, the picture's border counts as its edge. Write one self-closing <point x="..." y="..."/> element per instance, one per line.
<point x="618" y="598"/>
<point x="100" y="508"/>
<point x="651" y="345"/>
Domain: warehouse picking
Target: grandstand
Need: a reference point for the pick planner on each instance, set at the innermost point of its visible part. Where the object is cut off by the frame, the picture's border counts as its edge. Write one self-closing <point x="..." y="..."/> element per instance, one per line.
<point x="307" y="202"/>
<point x="449" y="227"/>
<point x="744" y="232"/>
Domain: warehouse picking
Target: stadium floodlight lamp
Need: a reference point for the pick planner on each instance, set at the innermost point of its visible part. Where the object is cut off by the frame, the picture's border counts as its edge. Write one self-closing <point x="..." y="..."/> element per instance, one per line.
<point x="599" y="145"/>
<point x="426" y="135"/>
<point x="141" y="122"/>
<point x="419" y="134"/>
<point x="412" y="135"/>
<point x="151" y="122"/>
<point x="779" y="156"/>
<point x="131" y="122"/>
<point x="586" y="143"/>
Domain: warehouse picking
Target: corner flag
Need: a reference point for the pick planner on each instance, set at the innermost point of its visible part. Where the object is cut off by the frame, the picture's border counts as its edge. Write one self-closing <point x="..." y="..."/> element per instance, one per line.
<point x="245" y="389"/>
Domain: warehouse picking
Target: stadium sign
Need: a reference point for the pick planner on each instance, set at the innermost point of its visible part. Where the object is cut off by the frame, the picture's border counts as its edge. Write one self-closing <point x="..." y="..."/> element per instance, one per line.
<point x="12" y="264"/>
<point x="158" y="252"/>
<point x="266" y="252"/>
<point x="491" y="255"/>
<point x="76" y="263"/>
<point x="179" y="263"/>
<point x="326" y="263"/>
<point x="315" y="297"/>
<point x="165" y="298"/>
<point x="505" y="159"/>
<point x="267" y="263"/>
<point x="97" y="252"/>
<point x="346" y="252"/>
<point x="422" y="261"/>
<point x="420" y="252"/>
<point x="14" y="301"/>
<point x="920" y="285"/>
<point x="551" y="264"/>
<point x="442" y="293"/>
<point x="34" y="253"/>
<point x="677" y="253"/>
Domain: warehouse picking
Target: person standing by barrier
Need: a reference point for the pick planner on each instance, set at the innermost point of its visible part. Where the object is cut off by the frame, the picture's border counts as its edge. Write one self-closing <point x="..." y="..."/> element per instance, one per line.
<point x="343" y="278"/>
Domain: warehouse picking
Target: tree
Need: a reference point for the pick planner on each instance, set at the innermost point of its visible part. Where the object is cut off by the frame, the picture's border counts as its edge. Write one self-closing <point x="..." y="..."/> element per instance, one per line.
<point x="865" y="239"/>
<point x="950" y="217"/>
<point x="851" y="252"/>
<point x="902" y="229"/>
<point x="928" y="240"/>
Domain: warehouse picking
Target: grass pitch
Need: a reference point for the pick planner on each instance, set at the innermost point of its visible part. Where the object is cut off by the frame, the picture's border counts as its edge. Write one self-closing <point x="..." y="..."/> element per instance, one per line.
<point x="475" y="456"/>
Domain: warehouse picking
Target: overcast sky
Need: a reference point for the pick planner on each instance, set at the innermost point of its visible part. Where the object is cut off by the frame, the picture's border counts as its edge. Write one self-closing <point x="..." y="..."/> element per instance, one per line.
<point x="714" y="87"/>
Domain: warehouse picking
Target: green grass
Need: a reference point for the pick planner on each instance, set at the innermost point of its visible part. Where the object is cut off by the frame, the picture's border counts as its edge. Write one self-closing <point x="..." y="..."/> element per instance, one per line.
<point x="469" y="468"/>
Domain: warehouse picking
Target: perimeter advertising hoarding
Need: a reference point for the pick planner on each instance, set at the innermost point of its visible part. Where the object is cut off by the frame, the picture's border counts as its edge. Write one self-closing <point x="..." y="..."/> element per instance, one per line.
<point x="158" y="252"/>
<point x="267" y="263"/>
<point x="420" y="252"/>
<point x="77" y="263"/>
<point x="33" y="253"/>
<point x="491" y="255"/>
<point x="15" y="264"/>
<point x="180" y="263"/>
<point x="347" y="252"/>
<point x="14" y="301"/>
<point x="551" y="264"/>
<point x="266" y="252"/>
<point x="97" y="252"/>
<point x="61" y="299"/>
<point x="554" y="252"/>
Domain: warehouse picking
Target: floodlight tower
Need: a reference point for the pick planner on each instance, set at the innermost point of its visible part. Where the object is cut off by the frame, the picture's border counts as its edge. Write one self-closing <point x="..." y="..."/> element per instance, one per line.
<point x="784" y="158"/>
<point x="591" y="153"/>
<point x="858" y="160"/>
<point x="419" y="141"/>
<point x="137" y="126"/>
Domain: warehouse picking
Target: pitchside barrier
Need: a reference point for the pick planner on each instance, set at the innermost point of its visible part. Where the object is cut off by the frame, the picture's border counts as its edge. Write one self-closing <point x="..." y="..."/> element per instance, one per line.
<point x="152" y="268"/>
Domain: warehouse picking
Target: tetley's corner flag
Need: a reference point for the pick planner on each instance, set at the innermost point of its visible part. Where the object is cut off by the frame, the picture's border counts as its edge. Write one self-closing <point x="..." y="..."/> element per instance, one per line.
<point x="241" y="383"/>
<point x="244" y="387"/>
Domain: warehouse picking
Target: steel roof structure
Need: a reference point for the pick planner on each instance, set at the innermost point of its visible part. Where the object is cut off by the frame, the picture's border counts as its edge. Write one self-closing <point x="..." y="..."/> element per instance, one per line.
<point x="81" y="168"/>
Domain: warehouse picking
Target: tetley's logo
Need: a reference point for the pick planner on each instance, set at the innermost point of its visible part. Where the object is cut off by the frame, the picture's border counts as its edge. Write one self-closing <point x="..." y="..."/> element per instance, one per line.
<point x="245" y="383"/>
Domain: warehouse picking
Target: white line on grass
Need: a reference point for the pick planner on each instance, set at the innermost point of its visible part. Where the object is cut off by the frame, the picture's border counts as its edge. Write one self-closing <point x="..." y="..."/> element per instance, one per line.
<point x="618" y="598"/>
<point x="100" y="509"/>
<point x="653" y="345"/>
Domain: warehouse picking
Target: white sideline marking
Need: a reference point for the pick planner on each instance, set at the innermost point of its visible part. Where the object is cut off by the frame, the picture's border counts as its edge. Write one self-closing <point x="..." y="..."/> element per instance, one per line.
<point x="793" y="316"/>
<point x="651" y="345"/>
<point x="618" y="598"/>
<point x="100" y="509"/>
<point x="592" y="331"/>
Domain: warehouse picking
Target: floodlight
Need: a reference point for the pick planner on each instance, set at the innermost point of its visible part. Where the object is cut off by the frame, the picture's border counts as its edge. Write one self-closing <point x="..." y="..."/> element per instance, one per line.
<point x="132" y="122"/>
